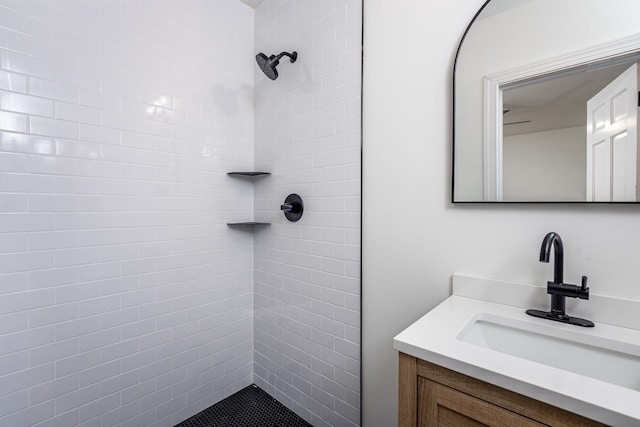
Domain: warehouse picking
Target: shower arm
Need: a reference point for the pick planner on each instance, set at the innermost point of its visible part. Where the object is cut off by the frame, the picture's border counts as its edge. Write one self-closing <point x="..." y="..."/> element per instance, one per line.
<point x="292" y="56"/>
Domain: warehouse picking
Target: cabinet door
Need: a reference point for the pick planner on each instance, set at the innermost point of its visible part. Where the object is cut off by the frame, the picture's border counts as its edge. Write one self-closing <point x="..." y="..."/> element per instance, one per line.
<point x="441" y="406"/>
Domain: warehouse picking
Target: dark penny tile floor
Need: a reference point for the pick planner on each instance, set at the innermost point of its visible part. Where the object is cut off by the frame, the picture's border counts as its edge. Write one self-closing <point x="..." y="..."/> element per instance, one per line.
<point x="250" y="407"/>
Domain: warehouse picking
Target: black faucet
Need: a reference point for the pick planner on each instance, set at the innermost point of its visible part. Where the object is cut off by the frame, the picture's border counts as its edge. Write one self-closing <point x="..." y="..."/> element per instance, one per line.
<point x="558" y="289"/>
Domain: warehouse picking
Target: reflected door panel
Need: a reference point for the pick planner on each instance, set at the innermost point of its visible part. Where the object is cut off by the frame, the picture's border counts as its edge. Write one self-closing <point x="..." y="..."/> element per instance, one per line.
<point x="600" y="188"/>
<point x="612" y="140"/>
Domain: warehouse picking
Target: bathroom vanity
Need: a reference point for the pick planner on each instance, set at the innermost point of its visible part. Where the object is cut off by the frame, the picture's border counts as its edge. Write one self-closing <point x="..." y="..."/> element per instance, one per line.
<point x="479" y="359"/>
<point x="431" y="395"/>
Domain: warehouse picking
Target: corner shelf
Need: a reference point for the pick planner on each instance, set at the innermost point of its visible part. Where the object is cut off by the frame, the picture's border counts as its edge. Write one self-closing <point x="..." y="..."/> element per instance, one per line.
<point x="252" y="174"/>
<point x="248" y="224"/>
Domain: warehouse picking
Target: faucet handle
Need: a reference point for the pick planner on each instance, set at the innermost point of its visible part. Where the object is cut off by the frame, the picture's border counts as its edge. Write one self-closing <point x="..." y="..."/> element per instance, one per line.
<point x="583" y="291"/>
<point x="583" y="285"/>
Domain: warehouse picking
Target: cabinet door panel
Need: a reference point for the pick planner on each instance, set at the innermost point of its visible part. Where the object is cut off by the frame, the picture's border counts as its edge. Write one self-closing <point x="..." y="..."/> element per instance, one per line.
<point x="441" y="406"/>
<point x="451" y="418"/>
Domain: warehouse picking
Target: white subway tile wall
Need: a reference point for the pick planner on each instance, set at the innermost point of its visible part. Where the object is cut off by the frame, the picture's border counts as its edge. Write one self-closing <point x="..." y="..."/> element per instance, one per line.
<point x="307" y="273"/>
<point x="125" y="300"/>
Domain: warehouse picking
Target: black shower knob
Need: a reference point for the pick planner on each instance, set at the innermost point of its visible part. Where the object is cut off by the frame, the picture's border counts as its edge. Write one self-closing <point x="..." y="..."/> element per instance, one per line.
<point x="292" y="207"/>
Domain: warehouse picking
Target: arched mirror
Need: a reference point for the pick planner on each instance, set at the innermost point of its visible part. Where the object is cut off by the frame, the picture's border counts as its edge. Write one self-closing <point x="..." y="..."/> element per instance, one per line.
<point x="546" y="103"/>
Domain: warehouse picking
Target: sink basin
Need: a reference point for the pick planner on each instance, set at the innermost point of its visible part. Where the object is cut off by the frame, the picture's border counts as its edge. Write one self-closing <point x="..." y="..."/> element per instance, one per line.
<point x="576" y="351"/>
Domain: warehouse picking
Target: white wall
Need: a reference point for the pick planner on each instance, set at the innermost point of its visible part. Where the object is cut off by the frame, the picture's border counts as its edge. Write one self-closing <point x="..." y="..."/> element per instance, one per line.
<point x="124" y="297"/>
<point x="307" y="279"/>
<point x="413" y="238"/>
<point x="545" y="166"/>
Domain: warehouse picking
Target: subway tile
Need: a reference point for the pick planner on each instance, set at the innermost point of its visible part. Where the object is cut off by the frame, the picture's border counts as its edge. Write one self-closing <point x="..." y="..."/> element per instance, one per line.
<point x="76" y="256"/>
<point x="29" y="416"/>
<point x="25" y="183"/>
<point x="14" y="162"/>
<point x="20" y="301"/>
<point x="52" y="389"/>
<point x="90" y="98"/>
<point x="52" y="277"/>
<point x="77" y="149"/>
<point x="14" y="362"/>
<point x="76" y="328"/>
<point x="66" y="419"/>
<point x="155" y="369"/>
<point x="53" y="351"/>
<point x="22" y="380"/>
<point x="99" y="373"/>
<point x="52" y="239"/>
<point x="53" y="90"/>
<point x="98" y="407"/>
<point x="98" y="237"/>
<point x="13" y="322"/>
<point x="52" y="315"/>
<point x="99" y="134"/>
<point x="99" y="305"/>
<point x="116" y="383"/>
<point x="54" y="128"/>
<point x="119" y="121"/>
<point x="118" y="350"/>
<point x="78" y="398"/>
<point x="28" y="65"/>
<point x="54" y="165"/>
<point x="76" y="41"/>
<point x="73" y="112"/>
<point x="77" y="362"/>
<point x="13" y="242"/>
<point x="26" y="104"/>
<point x="118" y="318"/>
<point x="93" y="422"/>
<point x="77" y="292"/>
<point x="77" y="185"/>
<point x="102" y="270"/>
<point x="13" y="82"/>
<point x="120" y="414"/>
<point x="99" y="339"/>
<point x="17" y="203"/>
<point x="13" y="402"/>
<point x="53" y="203"/>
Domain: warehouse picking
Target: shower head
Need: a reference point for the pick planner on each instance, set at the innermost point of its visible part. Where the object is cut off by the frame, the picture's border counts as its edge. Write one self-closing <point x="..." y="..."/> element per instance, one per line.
<point x="268" y="64"/>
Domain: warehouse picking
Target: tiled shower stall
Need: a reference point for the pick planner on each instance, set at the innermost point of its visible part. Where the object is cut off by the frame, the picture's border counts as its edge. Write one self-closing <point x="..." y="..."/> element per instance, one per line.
<point x="125" y="299"/>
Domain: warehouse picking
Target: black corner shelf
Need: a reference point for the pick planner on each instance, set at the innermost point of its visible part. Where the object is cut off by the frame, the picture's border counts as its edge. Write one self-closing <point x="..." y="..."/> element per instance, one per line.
<point x="246" y="224"/>
<point x="248" y="173"/>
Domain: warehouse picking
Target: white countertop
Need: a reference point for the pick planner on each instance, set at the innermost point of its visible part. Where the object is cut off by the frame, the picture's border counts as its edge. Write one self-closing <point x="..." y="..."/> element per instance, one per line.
<point x="434" y="338"/>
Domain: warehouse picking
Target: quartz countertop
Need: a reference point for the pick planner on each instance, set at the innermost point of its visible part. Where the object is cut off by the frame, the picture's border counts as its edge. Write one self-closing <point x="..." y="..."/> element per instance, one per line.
<point x="434" y="338"/>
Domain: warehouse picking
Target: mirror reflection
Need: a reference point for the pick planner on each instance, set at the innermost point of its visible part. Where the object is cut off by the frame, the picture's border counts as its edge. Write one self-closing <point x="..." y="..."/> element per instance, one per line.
<point x="551" y="115"/>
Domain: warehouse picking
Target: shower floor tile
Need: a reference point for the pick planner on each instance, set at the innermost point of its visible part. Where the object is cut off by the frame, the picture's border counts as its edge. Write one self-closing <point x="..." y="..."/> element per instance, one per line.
<point x="250" y="407"/>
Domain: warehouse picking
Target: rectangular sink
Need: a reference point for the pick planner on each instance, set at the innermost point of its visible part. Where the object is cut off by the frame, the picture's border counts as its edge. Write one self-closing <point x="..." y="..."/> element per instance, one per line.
<point x="576" y="351"/>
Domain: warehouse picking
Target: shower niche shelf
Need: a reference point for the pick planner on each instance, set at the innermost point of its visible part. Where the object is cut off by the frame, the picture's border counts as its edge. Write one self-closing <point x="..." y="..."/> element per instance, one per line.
<point x="249" y="174"/>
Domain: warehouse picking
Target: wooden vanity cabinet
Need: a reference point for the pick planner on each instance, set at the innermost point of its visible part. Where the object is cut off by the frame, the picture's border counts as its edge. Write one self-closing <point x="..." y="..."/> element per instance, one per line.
<point x="431" y="395"/>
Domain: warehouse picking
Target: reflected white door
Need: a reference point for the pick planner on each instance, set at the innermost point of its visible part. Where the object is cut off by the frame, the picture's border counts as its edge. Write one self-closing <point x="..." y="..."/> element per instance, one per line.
<point x="612" y="141"/>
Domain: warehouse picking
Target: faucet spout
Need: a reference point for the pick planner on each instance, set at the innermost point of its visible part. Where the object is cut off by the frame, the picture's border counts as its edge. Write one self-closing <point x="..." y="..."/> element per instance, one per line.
<point x="558" y="258"/>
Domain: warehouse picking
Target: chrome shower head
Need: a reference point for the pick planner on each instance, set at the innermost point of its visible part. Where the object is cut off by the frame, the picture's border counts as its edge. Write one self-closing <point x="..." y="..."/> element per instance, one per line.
<point x="268" y="64"/>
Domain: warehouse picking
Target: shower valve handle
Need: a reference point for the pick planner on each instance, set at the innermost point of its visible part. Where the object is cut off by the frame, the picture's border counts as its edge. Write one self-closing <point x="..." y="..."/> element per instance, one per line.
<point x="292" y="207"/>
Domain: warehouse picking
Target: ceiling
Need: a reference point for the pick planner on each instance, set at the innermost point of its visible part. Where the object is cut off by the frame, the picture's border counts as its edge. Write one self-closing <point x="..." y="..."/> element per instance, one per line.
<point x="252" y="3"/>
<point x="554" y="103"/>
